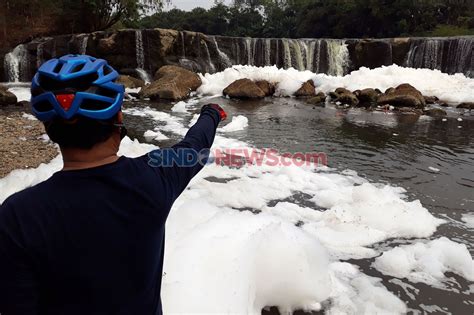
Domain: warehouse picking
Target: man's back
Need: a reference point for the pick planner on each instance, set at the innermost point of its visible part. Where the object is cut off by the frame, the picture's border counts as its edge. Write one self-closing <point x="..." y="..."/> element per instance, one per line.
<point x="92" y="241"/>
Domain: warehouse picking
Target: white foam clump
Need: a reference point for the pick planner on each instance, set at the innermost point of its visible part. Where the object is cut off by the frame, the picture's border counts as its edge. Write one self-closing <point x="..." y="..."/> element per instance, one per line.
<point x="427" y="262"/>
<point x="356" y="293"/>
<point x="167" y="122"/>
<point x="450" y="88"/>
<point x="224" y="261"/>
<point x="21" y="92"/>
<point x="154" y="135"/>
<point x="183" y="107"/>
<point x="468" y="220"/>
<point x="238" y="123"/>
<point x="28" y="116"/>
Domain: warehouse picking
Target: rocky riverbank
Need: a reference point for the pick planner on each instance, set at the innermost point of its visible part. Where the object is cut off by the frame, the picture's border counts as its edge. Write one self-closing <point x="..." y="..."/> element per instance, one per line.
<point x="22" y="144"/>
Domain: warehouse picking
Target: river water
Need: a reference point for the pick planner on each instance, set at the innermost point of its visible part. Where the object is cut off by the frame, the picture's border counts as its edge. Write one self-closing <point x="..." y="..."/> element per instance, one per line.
<point x="432" y="158"/>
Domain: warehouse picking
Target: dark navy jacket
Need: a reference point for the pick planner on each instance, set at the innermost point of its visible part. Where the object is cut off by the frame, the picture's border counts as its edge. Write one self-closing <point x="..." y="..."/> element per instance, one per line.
<point x="92" y="241"/>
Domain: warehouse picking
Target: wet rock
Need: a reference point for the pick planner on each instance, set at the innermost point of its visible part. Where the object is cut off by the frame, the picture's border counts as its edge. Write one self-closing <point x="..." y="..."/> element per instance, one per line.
<point x="404" y="95"/>
<point x="431" y="99"/>
<point x="130" y="82"/>
<point x="306" y="90"/>
<point x="267" y="87"/>
<point x="409" y="110"/>
<point x="435" y="112"/>
<point x="467" y="105"/>
<point x="368" y="96"/>
<point x="172" y="83"/>
<point x="244" y="89"/>
<point x="319" y="99"/>
<point x="6" y="97"/>
<point x="345" y="97"/>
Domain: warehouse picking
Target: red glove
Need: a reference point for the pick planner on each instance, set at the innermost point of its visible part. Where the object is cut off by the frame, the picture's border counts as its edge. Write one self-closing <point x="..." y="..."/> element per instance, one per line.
<point x="222" y="113"/>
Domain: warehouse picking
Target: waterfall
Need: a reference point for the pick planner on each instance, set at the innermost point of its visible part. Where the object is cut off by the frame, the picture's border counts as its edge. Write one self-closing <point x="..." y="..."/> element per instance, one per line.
<point x="16" y="64"/>
<point x="39" y="54"/>
<point x="140" y="55"/>
<point x="210" y="65"/>
<point x="248" y="48"/>
<point x="338" y="57"/>
<point x="298" y="56"/>
<point x="267" y="49"/>
<point x="317" y="54"/>
<point x="83" y="47"/>
<point x="286" y="53"/>
<point x="310" y="56"/>
<point x="223" y="58"/>
<point x="461" y="56"/>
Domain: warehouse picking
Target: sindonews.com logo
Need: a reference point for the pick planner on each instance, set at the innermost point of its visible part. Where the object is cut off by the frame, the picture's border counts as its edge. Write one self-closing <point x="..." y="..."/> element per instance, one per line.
<point x="235" y="157"/>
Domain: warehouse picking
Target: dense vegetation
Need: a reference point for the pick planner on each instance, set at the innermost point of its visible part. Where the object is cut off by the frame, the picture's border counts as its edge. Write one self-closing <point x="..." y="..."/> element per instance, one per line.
<point x="323" y="18"/>
<point x="21" y="20"/>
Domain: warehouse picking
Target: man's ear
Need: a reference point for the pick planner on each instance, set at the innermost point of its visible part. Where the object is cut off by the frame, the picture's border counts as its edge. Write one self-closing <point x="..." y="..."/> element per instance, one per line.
<point x="120" y="118"/>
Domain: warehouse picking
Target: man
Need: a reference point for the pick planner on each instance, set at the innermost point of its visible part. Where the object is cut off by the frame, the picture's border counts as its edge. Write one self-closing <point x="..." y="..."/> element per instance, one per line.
<point x="90" y="240"/>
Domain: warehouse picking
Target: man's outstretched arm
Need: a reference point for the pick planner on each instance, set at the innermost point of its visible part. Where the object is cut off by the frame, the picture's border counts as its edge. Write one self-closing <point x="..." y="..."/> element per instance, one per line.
<point x="180" y="163"/>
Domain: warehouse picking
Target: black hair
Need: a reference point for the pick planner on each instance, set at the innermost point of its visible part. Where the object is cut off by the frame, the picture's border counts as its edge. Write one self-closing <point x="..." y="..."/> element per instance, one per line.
<point x="80" y="132"/>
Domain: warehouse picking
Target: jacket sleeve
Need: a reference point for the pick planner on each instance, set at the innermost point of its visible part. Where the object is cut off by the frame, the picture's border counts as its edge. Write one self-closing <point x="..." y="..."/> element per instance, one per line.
<point x="18" y="284"/>
<point x="180" y="163"/>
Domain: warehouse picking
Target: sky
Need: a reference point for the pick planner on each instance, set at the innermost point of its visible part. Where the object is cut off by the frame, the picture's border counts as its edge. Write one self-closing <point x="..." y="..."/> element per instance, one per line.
<point x="191" y="4"/>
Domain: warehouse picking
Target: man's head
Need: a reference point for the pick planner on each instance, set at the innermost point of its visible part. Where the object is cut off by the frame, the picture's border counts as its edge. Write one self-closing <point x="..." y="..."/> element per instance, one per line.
<point x="78" y="101"/>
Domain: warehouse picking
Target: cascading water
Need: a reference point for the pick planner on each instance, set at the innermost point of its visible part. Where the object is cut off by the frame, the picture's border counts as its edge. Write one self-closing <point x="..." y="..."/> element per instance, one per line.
<point x="267" y="50"/>
<point x="39" y="54"/>
<point x="211" y="68"/>
<point x="248" y="48"/>
<point x="338" y="57"/>
<point x="83" y="47"/>
<point x="451" y="55"/>
<point x="223" y="58"/>
<point x="286" y="53"/>
<point x="16" y="64"/>
<point x="317" y="55"/>
<point x="298" y="56"/>
<point x="140" y="56"/>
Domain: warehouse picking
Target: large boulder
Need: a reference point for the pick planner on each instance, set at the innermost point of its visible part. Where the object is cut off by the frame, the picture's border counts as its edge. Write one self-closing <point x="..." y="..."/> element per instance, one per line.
<point x="306" y="90"/>
<point x="130" y="82"/>
<point x="344" y="96"/>
<point x="172" y="83"/>
<point x="267" y="87"/>
<point x="318" y="100"/>
<point x="404" y="95"/>
<point x="369" y="96"/>
<point x="6" y="97"/>
<point x="435" y="112"/>
<point x="243" y="89"/>
<point x="466" y="105"/>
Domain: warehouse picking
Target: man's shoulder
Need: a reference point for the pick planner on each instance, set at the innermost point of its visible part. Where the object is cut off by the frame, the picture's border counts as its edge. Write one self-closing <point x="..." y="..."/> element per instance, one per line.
<point x="27" y="198"/>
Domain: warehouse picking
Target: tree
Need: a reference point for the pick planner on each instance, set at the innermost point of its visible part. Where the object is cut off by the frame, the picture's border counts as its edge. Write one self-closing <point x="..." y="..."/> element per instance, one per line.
<point x="98" y="15"/>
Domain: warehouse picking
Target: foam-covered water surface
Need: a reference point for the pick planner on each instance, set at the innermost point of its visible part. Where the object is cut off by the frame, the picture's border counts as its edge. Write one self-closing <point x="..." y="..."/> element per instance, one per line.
<point x="385" y="228"/>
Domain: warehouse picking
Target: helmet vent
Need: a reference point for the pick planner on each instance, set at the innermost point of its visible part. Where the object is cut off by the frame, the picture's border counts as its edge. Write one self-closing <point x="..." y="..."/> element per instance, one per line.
<point x="107" y="70"/>
<point x="43" y="106"/>
<point x="94" y="105"/>
<point x="77" y="68"/>
<point x="58" y="68"/>
<point x="106" y="92"/>
<point x="79" y="84"/>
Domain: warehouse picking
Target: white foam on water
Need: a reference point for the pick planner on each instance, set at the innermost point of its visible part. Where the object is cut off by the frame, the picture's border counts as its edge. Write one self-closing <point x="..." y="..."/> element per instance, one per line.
<point x="28" y="116"/>
<point x="468" y="219"/>
<point x="427" y="262"/>
<point x="221" y="258"/>
<point x="22" y="93"/>
<point x="167" y="122"/>
<point x="450" y="88"/>
<point x="238" y="123"/>
<point x="356" y="293"/>
<point x="154" y="135"/>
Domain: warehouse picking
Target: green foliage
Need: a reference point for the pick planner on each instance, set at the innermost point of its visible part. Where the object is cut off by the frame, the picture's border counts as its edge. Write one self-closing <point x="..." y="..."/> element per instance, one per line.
<point x="449" y="30"/>
<point x="320" y="18"/>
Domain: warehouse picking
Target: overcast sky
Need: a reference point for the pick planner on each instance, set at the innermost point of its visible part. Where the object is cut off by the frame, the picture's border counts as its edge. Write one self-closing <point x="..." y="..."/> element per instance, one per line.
<point x="191" y="4"/>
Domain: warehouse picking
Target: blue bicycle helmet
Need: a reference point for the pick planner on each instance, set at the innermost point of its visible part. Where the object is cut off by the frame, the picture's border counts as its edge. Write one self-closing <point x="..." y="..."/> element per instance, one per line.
<point x="76" y="85"/>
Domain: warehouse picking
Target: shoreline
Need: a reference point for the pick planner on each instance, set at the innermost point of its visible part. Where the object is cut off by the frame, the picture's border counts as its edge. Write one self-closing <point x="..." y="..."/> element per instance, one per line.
<point x="23" y="144"/>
